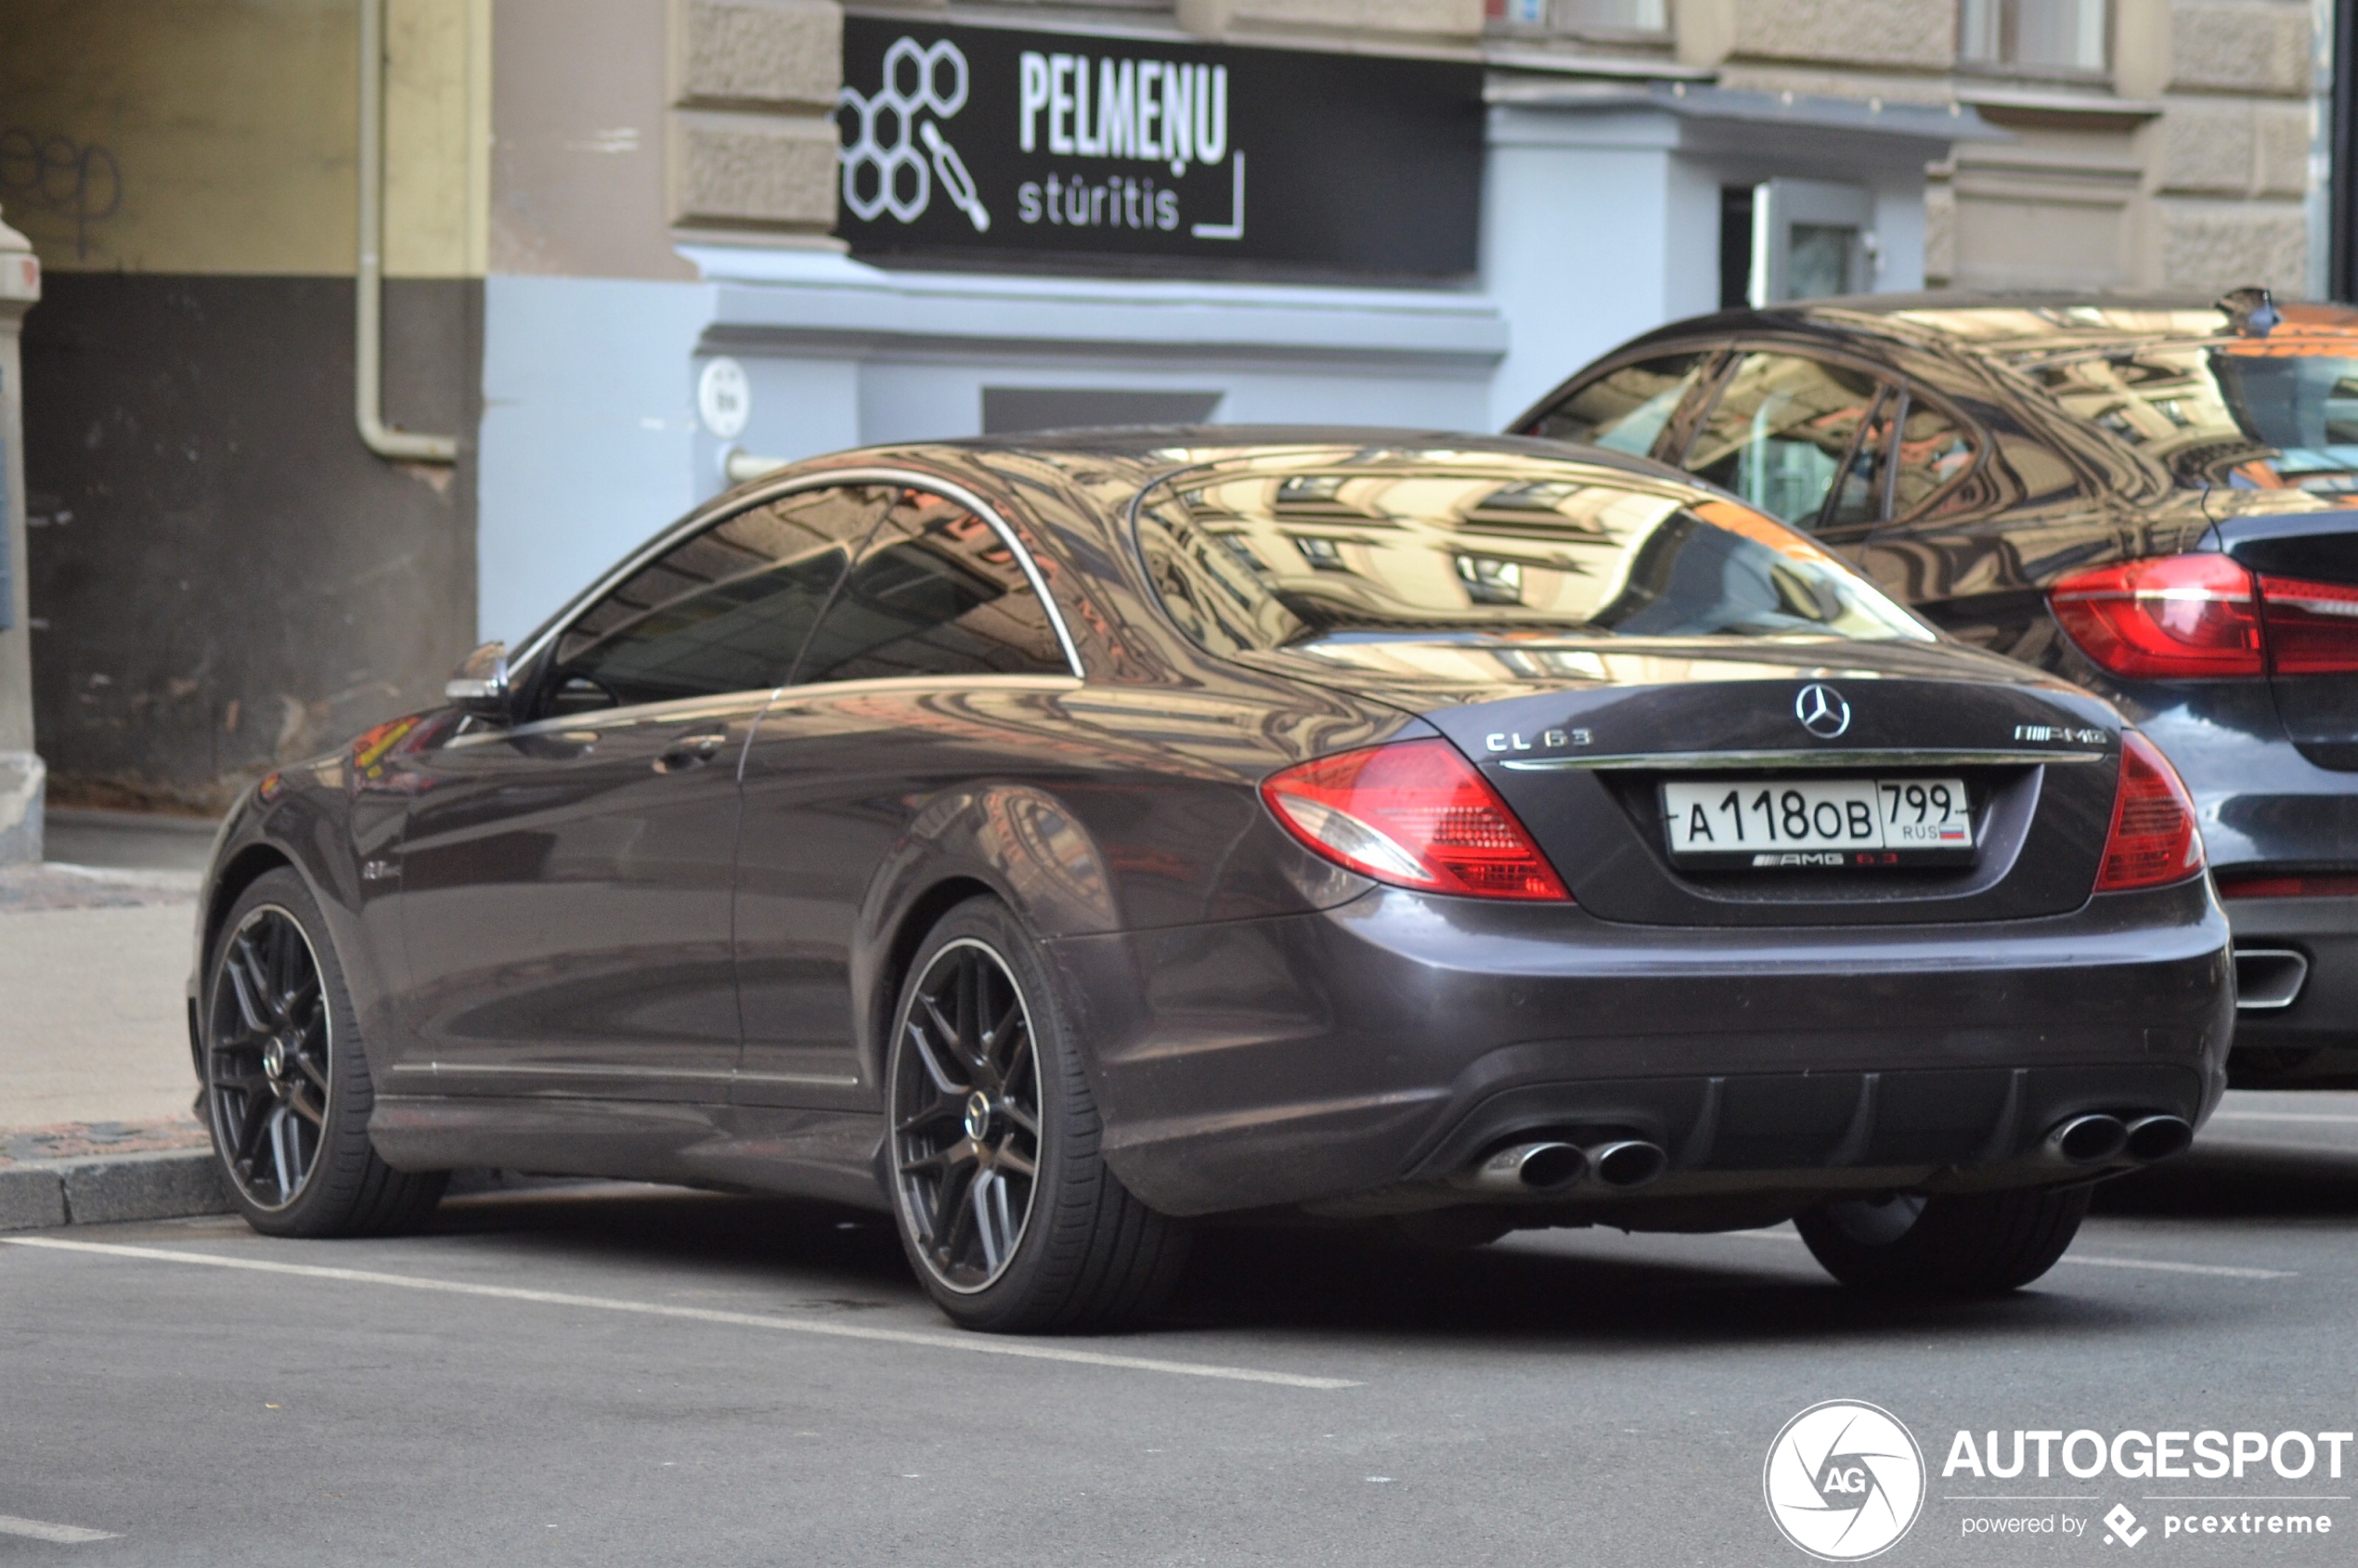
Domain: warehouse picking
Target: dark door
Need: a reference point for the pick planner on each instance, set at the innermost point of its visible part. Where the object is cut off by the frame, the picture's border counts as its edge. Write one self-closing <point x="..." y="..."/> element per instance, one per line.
<point x="919" y="676"/>
<point x="566" y="882"/>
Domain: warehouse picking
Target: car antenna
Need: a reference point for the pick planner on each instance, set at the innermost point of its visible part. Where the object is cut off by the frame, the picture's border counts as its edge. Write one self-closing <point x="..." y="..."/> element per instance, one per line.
<point x="2251" y="311"/>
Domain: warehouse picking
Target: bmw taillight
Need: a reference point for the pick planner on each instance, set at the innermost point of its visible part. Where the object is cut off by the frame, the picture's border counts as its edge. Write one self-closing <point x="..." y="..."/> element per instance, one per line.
<point x="2153" y="839"/>
<point x="2312" y="627"/>
<point x="2176" y="617"/>
<point x="1415" y="814"/>
<point x="2169" y="618"/>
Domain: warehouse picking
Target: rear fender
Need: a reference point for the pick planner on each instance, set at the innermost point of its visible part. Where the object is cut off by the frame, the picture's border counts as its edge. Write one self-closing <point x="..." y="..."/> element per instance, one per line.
<point x="1017" y="842"/>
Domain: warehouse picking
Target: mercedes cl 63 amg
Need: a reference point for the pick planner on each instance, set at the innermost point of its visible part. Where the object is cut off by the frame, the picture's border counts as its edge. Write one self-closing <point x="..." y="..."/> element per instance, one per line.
<point x="1054" y="842"/>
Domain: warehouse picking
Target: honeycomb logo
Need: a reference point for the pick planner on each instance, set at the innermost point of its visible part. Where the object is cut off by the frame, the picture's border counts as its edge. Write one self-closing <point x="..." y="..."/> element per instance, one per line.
<point x="1843" y="1481"/>
<point x="883" y="168"/>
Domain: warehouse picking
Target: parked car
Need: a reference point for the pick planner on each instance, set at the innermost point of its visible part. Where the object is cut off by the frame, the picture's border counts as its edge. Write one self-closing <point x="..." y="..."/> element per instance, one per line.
<point x="2150" y="497"/>
<point x="1053" y="841"/>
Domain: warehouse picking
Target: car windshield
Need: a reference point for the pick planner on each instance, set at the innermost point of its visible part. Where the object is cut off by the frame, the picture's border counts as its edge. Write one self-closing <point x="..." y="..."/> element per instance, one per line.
<point x="1290" y="550"/>
<point x="2253" y="413"/>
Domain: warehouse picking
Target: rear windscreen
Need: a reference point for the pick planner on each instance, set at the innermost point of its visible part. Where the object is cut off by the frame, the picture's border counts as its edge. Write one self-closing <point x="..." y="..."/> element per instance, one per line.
<point x="1300" y="548"/>
<point x="2260" y="413"/>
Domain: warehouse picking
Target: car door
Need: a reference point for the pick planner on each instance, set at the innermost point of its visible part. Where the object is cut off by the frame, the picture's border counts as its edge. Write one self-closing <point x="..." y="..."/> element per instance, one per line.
<point x="566" y="879"/>
<point x="1802" y="437"/>
<point x="927" y="663"/>
<point x="1984" y="512"/>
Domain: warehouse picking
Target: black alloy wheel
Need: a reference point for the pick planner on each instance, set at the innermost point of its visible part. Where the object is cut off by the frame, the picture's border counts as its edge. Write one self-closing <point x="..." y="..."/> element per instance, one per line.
<point x="965" y="1132"/>
<point x="1011" y="1219"/>
<point x="268" y="1056"/>
<point x="286" y="1091"/>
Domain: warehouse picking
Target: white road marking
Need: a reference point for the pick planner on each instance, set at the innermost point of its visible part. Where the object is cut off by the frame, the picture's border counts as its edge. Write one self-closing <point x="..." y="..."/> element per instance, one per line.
<point x="67" y="1535"/>
<point x="2222" y="1271"/>
<point x="2283" y="1116"/>
<point x="979" y="1344"/>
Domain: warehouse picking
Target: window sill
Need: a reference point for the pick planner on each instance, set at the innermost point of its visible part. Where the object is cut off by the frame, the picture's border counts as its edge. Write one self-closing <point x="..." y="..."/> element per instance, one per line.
<point x="2055" y="107"/>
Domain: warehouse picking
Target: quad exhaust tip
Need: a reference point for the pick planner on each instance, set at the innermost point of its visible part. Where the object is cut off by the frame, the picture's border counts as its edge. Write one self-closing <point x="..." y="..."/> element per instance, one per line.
<point x="1627" y="1162"/>
<point x="2099" y="1139"/>
<point x="2089" y="1140"/>
<point x="1535" y="1166"/>
<point x="1550" y="1165"/>
<point x="2158" y="1137"/>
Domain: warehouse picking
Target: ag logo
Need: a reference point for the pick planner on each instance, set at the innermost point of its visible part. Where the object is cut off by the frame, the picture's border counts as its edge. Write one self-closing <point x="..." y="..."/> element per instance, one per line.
<point x="1843" y="1481"/>
<point x="883" y="170"/>
<point x="1821" y="711"/>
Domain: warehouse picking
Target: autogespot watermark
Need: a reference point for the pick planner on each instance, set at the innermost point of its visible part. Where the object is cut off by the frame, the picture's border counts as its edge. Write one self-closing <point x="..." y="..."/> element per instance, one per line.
<point x="1844" y="1481"/>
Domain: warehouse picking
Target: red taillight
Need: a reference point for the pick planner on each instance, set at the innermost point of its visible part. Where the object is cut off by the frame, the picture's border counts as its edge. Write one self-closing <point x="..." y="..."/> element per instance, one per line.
<point x="2196" y="616"/>
<point x="2265" y="885"/>
<point x="2153" y="838"/>
<point x="2312" y="627"/>
<point x="1415" y="814"/>
<point x="2168" y="618"/>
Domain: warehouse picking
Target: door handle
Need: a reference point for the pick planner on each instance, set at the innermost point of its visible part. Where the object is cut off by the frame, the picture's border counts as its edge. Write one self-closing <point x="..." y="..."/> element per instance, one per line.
<point x="691" y="751"/>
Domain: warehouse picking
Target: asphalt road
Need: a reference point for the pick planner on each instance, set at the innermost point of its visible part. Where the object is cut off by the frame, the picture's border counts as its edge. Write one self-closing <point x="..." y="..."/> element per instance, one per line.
<point x="633" y="1375"/>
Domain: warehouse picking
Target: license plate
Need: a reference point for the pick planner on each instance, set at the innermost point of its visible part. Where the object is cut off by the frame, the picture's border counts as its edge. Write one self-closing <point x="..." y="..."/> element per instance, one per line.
<point x="1770" y="824"/>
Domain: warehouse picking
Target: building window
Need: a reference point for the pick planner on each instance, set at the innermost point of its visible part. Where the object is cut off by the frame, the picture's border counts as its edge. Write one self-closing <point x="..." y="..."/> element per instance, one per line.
<point x="2041" y="37"/>
<point x="1606" y="19"/>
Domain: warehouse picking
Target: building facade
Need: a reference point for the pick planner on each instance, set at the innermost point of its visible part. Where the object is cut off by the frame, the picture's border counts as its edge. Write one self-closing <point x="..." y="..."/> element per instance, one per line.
<point x="632" y="249"/>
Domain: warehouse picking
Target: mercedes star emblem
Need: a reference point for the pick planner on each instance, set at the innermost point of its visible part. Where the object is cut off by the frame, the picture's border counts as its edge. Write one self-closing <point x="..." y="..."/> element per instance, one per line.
<point x="1821" y="711"/>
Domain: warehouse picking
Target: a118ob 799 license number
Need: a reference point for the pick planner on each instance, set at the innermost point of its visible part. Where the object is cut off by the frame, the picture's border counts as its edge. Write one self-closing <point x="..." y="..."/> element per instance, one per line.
<point x="1770" y="823"/>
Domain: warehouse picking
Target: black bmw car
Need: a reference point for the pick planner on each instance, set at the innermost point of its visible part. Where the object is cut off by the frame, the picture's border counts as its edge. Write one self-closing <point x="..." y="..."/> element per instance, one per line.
<point x="1053" y="842"/>
<point x="2155" y="499"/>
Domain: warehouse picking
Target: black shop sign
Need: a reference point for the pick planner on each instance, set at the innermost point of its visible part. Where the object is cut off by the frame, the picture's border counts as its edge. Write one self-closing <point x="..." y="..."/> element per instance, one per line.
<point x="982" y="145"/>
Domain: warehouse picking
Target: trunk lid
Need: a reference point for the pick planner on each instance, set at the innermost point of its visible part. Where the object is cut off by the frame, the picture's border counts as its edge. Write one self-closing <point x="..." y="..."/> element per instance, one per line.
<point x="1581" y="739"/>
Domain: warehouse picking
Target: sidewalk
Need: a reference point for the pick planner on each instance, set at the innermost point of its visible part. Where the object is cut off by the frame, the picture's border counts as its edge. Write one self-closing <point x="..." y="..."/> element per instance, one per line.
<point x="95" y="1076"/>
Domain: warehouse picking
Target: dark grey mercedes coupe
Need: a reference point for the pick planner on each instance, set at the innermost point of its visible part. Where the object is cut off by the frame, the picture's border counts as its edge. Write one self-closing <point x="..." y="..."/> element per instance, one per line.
<point x="1054" y="841"/>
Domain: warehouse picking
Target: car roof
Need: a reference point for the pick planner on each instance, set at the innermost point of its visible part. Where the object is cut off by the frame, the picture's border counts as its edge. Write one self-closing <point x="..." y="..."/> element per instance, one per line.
<point x="2010" y="326"/>
<point x="1135" y="456"/>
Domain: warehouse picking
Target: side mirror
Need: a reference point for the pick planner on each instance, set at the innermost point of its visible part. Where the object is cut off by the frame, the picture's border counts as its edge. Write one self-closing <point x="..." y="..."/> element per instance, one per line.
<point x="480" y="684"/>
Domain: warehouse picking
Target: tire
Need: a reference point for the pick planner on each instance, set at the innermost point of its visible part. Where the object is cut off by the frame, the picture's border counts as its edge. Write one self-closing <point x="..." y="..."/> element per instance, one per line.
<point x="286" y="1090"/>
<point x="1959" y="1245"/>
<point x="1011" y="1220"/>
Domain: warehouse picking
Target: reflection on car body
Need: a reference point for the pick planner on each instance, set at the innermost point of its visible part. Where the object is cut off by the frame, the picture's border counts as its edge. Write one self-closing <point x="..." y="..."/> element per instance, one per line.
<point x="2153" y="498"/>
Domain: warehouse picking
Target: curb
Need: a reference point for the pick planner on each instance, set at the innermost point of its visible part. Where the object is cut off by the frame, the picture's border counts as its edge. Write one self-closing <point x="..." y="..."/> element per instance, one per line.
<point x="111" y="1189"/>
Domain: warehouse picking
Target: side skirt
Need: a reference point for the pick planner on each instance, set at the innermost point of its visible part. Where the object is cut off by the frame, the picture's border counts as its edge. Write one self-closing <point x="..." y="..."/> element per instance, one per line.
<point x="827" y="1154"/>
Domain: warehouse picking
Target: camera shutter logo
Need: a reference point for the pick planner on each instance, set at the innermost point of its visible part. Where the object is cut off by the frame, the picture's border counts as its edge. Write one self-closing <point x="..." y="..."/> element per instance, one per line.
<point x="883" y="129"/>
<point x="1822" y="710"/>
<point x="1843" y="1481"/>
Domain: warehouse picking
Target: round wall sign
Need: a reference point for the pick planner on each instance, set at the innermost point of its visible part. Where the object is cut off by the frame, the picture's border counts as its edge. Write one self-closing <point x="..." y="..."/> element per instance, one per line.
<point x="724" y="397"/>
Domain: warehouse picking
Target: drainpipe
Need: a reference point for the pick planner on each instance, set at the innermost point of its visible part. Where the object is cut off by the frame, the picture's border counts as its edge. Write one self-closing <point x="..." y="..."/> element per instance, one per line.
<point x="369" y="328"/>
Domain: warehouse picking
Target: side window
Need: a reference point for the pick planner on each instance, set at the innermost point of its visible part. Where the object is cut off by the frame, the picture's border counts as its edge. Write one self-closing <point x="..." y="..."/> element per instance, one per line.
<point x="1857" y="502"/>
<point x="936" y="593"/>
<point x="1624" y="409"/>
<point x="725" y="610"/>
<point x="1934" y="452"/>
<point x="1783" y="433"/>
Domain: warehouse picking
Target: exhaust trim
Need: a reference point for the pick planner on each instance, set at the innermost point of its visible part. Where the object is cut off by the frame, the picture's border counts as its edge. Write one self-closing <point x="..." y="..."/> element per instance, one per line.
<point x="1547" y="1165"/>
<point x="1627" y="1163"/>
<point x="2092" y="1139"/>
<point x="2158" y="1137"/>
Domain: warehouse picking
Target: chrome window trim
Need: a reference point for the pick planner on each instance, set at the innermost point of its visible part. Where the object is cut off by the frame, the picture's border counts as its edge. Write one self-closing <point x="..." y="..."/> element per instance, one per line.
<point x="1872" y="756"/>
<point x="712" y="516"/>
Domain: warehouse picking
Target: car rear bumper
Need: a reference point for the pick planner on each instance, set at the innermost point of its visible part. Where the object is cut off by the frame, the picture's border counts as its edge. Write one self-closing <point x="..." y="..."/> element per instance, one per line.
<point x="2298" y="962"/>
<point x="1358" y="1057"/>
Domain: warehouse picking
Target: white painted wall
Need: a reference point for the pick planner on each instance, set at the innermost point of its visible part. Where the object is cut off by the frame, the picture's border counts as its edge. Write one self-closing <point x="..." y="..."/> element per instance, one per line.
<point x="1577" y="232"/>
<point x="588" y="434"/>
